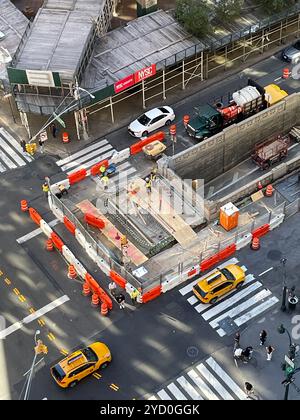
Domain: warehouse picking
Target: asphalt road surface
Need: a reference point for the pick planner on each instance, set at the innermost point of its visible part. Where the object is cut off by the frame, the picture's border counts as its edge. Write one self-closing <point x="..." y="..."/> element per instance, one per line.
<point x="151" y="344"/>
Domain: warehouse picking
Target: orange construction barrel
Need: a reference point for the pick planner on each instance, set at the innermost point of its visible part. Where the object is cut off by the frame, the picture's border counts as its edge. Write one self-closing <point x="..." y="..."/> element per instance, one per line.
<point x="65" y="137"/>
<point x="229" y="216"/>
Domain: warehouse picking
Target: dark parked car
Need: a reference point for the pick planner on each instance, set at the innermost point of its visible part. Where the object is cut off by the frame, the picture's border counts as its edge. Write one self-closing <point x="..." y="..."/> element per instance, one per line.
<point x="291" y="54"/>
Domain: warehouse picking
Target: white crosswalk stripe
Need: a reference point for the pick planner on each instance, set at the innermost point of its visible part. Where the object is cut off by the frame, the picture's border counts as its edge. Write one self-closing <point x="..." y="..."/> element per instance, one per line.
<point x="206" y="381"/>
<point x="11" y="153"/>
<point x="94" y="154"/>
<point x="234" y="305"/>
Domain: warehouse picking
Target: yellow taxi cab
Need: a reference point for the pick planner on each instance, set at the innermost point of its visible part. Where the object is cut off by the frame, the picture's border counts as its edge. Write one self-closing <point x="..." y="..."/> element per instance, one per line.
<point x="76" y="366"/>
<point x="220" y="282"/>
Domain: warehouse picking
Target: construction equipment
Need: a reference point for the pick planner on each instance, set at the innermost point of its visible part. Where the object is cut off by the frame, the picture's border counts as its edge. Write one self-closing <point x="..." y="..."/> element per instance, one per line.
<point x="271" y="151"/>
<point x="243" y="103"/>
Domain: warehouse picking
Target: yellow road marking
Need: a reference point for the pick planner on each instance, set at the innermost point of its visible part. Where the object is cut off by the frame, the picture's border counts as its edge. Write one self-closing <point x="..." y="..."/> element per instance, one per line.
<point x="41" y="322"/>
<point x="22" y="298"/>
<point x="114" y="387"/>
<point x="7" y="281"/>
<point x="51" y="336"/>
<point x="1" y="272"/>
<point x="16" y="291"/>
<point x="64" y="351"/>
<point x="32" y="310"/>
<point x="97" y="375"/>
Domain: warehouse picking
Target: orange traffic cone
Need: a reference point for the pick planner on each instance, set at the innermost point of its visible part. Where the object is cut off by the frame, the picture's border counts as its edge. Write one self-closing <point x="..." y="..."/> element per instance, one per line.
<point x="72" y="272"/>
<point x="285" y="73"/>
<point x="255" y="244"/>
<point x="49" y="245"/>
<point x="65" y="138"/>
<point x="269" y="190"/>
<point x="104" y="309"/>
<point x="24" y="205"/>
<point x="86" y="289"/>
<point x="95" y="299"/>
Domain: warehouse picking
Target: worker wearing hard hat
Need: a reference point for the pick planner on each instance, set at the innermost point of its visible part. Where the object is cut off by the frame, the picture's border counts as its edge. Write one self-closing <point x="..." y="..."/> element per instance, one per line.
<point x="148" y="185"/>
<point x="105" y="180"/>
<point x="102" y="170"/>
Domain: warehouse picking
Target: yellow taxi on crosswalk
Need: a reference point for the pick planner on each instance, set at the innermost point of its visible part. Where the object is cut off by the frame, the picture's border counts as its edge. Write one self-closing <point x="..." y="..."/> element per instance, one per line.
<point x="220" y="282"/>
<point x="81" y="363"/>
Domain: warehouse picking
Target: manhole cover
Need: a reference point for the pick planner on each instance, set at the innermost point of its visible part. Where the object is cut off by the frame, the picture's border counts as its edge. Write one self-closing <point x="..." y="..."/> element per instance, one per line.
<point x="192" y="351"/>
<point x="228" y="325"/>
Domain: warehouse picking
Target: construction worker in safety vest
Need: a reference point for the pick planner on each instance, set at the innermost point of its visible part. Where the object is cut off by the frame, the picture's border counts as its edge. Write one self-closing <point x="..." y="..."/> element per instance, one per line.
<point x="45" y="188"/>
<point x="102" y="170"/>
<point x="105" y="181"/>
<point x="148" y="185"/>
<point x="134" y="294"/>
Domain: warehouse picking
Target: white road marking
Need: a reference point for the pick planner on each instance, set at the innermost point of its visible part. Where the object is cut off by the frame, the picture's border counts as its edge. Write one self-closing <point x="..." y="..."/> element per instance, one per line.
<point x="189" y="389"/>
<point x="18" y="325"/>
<point x="87" y="158"/>
<point x="242" y="307"/>
<point x="12" y="153"/>
<point x="81" y="152"/>
<point x="256" y="311"/>
<point x="265" y="272"/>
<point x="9" y="163"/>
<point x="202" y="385"/>
<point x="192" y="300"/>
<point x="87" y="165"/>
<point x="214" y="382"/>
<point x="15" y="144"/>
<point x="35" y="232"/>
<point x="163" y="395"/>
<point x="176" y="392"/>
<point x="152" y="398"/>
<point x="226" y="378"/>
<point x="217" y="308"/>
<point x="185" y="290"/>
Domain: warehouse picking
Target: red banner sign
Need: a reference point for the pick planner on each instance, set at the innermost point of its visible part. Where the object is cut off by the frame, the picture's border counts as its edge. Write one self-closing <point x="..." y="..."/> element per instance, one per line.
<point x="124" y="83"/>
<point x="144" y="73"/>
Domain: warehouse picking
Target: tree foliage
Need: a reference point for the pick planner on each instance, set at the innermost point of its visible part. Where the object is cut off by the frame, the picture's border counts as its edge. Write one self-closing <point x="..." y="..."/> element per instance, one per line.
<point x="277" y="6"/>
<point x="194" y="15"/>
<point x="228" y="9"/>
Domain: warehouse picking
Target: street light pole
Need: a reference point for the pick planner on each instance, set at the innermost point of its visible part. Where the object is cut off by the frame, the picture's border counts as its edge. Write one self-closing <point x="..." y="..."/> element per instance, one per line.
<point x="284" y="287"/>
<point x="28" y="386"/>
<point x="292" y="354"/>
<point x="81" y="113"/>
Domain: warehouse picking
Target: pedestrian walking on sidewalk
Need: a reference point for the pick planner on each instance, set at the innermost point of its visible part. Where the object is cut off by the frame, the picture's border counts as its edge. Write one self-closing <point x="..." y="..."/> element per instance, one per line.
<point x="248" y="389"/>
<point x="112" y="288"/>
<point x="270" y="351"/>
<point x="121" y="300"/>
<point x="53" y="129"/>
<point x="263" y="336"/>
<point x="23" y="145"/>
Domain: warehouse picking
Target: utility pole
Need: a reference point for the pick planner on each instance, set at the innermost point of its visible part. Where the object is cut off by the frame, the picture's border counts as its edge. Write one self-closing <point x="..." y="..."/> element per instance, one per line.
<point x="80" y="116"/>
<point x="38" y="349"/>
<point x="284" y="287"/>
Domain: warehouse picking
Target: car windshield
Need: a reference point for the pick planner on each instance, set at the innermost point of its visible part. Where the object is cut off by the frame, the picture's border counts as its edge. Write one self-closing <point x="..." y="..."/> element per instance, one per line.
<point x="143" y="119"/>
<point x="90" y="355"/>
<point x="227" y="274"/>
<point x="200" y="291"/>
